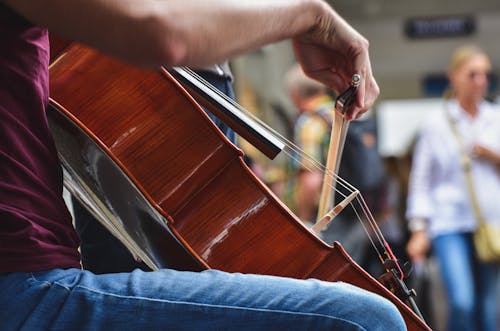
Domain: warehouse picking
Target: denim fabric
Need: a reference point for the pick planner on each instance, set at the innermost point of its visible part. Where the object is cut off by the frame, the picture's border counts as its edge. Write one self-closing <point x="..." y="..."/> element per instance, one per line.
<point x="471" y="286"/>
<point x="73" y="299"/>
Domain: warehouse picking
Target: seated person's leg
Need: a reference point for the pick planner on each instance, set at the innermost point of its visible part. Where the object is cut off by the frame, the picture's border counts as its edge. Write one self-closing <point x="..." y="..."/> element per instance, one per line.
<point x="73" y="299"/>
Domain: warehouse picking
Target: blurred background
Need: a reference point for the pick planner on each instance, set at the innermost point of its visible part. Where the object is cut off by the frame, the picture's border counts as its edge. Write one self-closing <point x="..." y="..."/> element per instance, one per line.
<point x="410" y="44"/>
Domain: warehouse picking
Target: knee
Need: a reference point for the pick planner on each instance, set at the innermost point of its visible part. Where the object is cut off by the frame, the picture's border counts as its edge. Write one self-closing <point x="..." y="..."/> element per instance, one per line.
<point x="374" y="312"/>
<point x="384" y="315"/>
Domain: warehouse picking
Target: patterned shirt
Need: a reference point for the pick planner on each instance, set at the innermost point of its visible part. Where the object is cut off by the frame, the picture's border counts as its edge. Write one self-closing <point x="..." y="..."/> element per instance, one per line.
<point x="312" y="135"/>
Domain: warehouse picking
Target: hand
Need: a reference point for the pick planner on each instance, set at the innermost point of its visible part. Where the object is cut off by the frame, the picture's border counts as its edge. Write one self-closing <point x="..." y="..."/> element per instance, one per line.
<point x="331" y="53"/>
<point x="418" y="246"/>
<point x="485" y="154"/>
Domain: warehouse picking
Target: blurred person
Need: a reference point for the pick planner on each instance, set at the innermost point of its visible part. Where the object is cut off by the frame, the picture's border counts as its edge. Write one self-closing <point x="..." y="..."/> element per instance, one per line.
<point x="311" y="133"/>
<point x="439" y="211"/>
<point x="43" y="285"/>
<point x="360" y="164"/>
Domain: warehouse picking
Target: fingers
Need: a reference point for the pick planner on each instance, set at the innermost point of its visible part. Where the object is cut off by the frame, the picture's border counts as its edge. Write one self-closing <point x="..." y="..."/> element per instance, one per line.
<point x="368" y="89"/>
<point x="366" y="93"/>
<point x="371" y="92"/>
<point x="337" y="74"/>
<point x="334" y="60"/>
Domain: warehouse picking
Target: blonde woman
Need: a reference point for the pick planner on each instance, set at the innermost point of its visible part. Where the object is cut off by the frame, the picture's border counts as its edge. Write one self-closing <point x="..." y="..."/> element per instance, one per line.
<point x="439" y="205"/>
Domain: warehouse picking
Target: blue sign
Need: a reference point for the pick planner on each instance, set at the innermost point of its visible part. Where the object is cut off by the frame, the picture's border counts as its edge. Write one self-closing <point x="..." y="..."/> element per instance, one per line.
<point x="452" y="26"/>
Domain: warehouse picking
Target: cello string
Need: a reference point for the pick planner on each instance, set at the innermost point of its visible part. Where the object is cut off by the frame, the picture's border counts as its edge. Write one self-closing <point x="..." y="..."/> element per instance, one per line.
<point x="311" y="164"/>
<point x="368" y="217"/>
<point x="291" y="149"/>
<point x="386" y="248"/>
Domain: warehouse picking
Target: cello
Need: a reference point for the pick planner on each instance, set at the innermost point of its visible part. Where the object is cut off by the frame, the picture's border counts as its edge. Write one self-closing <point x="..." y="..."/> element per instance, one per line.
<point x="140" y="153"/>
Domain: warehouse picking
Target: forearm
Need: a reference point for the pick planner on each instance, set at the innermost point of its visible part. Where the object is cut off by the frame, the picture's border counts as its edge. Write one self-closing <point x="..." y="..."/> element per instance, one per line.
<point x="235" y="27"/>
<point x="174" y="32"/>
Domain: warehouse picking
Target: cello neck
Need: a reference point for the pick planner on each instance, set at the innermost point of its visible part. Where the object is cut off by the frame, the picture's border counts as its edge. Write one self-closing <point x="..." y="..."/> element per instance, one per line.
<point x="229" y="112"/>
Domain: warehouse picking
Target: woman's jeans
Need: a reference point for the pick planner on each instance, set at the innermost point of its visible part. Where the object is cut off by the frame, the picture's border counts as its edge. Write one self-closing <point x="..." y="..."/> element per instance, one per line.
<point x="471" y="286"/>
<point x="74" y="299"/>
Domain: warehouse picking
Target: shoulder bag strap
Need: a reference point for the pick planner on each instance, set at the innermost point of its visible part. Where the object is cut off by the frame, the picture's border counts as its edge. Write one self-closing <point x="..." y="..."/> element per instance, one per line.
<point x="466" y="161"/>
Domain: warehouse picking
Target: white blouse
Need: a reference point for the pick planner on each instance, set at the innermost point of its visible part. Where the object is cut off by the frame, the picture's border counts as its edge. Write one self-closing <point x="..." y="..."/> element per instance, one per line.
<point x="438" y="191"/>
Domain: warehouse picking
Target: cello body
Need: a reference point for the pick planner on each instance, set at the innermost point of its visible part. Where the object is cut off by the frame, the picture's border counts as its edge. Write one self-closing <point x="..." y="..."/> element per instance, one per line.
<point x="140" y="147"/>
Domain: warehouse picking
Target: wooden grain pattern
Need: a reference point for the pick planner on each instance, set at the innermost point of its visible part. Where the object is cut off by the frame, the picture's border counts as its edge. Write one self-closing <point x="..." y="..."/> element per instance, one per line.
<point x="188" y="170"/>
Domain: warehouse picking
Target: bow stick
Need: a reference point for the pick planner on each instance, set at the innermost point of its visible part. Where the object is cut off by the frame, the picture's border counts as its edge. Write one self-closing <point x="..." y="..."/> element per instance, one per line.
<point x="337" y="139"/>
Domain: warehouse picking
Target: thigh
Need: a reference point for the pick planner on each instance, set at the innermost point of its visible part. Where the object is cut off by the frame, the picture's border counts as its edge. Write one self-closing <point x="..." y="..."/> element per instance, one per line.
<point x="210" y="300"/>
<point x="455" y="259"/>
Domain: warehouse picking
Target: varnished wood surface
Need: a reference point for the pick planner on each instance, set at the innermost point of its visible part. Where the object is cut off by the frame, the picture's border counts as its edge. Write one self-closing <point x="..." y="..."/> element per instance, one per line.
<point x="187" y="169"/>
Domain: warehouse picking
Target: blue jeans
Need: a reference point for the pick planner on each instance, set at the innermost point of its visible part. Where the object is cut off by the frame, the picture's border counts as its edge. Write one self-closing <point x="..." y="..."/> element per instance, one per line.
<point x="471" y="286"/>
<point x="75" y="299"/>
